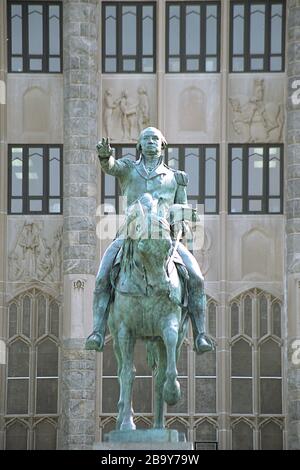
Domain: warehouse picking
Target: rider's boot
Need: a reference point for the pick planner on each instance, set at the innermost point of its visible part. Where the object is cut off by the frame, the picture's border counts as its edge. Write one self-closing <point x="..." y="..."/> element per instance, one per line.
<point x="196" y="310"/>
<point x="100" y="315"/>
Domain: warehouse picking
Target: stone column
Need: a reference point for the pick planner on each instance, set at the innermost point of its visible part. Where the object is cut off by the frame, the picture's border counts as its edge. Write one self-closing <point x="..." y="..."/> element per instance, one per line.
<point x="292" y="293"/>
<point x="3" y="206"/>
<point x="80" y="186"/>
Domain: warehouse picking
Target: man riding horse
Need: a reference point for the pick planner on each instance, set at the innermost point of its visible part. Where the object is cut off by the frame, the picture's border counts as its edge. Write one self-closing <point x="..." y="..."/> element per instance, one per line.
<point x="147" y="175"/>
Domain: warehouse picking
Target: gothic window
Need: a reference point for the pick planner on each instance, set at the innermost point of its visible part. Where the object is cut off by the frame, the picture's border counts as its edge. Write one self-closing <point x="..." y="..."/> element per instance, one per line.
<point x="257" y="36"/>
<point x="128" y="37"/>
<point x="192" y="37"/>
<point x="32" y="405"/>
<point x="35" y="179"/>
<point x="35" y="36"/>
<point x="256" y="178"/>
<point x="256" y="369"/>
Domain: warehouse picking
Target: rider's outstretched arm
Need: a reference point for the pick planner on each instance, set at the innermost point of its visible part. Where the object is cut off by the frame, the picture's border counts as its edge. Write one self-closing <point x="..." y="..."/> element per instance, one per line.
<point x="108" y="162"/>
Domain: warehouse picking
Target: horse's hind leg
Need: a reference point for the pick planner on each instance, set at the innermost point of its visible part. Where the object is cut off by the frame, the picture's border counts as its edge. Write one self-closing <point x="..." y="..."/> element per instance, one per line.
<point x="127" y="374"/>
<point x="160" y="377"/>
<point x="171" y="391"/>
<point x="119" y="361"/>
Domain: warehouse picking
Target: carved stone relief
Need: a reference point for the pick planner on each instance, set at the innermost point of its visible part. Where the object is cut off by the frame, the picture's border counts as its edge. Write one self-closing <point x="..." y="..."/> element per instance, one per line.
<point x="256" y="118"/>
<point x="32" y="257"/>
<point x="205" y="253"/>
<point x="126" y="114"/>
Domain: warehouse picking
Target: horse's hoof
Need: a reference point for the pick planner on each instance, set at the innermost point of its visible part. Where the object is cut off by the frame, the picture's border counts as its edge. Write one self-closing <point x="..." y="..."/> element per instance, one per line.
<point x="95" y="342"/>
<point x="128" y="425"/>
<point x="202" y="345"/>
<point x="171" y="392"/>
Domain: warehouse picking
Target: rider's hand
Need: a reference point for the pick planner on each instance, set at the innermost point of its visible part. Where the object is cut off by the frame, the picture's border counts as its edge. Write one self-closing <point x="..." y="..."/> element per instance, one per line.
<point x="104" y="148"/>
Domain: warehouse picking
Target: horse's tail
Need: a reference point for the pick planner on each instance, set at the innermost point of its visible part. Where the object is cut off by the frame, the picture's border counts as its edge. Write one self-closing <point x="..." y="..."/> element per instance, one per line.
<point x="152" y="354"/>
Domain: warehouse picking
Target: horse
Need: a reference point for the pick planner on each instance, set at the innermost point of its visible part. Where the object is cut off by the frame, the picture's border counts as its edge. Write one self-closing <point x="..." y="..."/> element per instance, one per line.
<point x="148" y="304"/>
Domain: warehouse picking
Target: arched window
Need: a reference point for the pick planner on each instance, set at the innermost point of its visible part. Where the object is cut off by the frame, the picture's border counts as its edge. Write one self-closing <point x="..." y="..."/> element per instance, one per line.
<point x="32" y="373"/>
<point x="256" y="369"/>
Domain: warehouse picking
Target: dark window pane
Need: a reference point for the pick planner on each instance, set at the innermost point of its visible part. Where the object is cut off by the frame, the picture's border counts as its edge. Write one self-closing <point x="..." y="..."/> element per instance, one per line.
<point x="210" y="64"/>
<point x="271" y="437"/>
<point x="173" y="157"/>
<point x="206" y="364"/>
<point x="274" y="171"/>
<point x="257" y="29"/>
<point x="35" y="176"/>
<point x="54" y="30"/>
<point x="276" y="29"/>
<point x="192" y="65"/>
<point x="276" y="64"/>
<point x="211" y="29"/>
<point x="147" y="64"/>
<point x="129" y="65"/>
<point x="174" y="30"/>
<point x="110" y="65"/>
<point x="256" y="64"/>
<point x="210" y="205"/>
<point x="248" y="316"/>
<point x="47" y="359"/>
<point x="35" y="205"/>
<point x="270" y="396"/>
<point x="210" y="171"/>
<point x="236" y="171"/>
<point x="255" y="178"/>
<point x="274" y="205"/>
<point x="110" y="30"/>
<point x="17" y="64"/>
<point x="174" y="65"/>
<point x="236" y="205"/>
<point x="192" y="169"/>
<point x="147" y="30"/>
<point x="234" y="319"/>
<point x="109" y="206"/>
<point x="270" y="359"/>
<point x="17" y="396"/>
<point x="110" y="185"/>
<point x="41" y="314"/>
<point x="18" y="359"/>
<point x="26" y="316"/>
<point x="276" y="319"/>
<point x="255" y="206"/>
<point x="192" y="27"/>
<point x="241" y="359"/>
<point x="35" y="65"/>
<point x="54" y="65"/>
<point x="242" y="437"/>
<point x="238" y="64"/>
<point x="241" y="396"/>
<point x="109" y="360"/>
<point x="16" y="437"/>
<point x="35" y="29"/>
<point x="205" y="396"/>
<point x="140" y="359"/>
<point x="110" y="395"/>
<point x="263" y="315"/>
<point x="129" y="30"/>
<point x="45" y="436"/>
<point x="54" y="172"/>
<point x="16" y="29"/>
<point x="16" y="206"/>
<point x="46" y="400"/>
<point x="212" y="320"/>
<point x="142" y="395"/>
<point x="238" y="29"/>
<point x="16" y="171"/>
<point x="54" y="318"/>
<point x="12" y="322"/>
<point x="54" y="206"/>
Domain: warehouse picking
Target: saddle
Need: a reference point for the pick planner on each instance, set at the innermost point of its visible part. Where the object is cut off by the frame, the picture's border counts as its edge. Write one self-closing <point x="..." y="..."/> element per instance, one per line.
<point x="133" y="289"/>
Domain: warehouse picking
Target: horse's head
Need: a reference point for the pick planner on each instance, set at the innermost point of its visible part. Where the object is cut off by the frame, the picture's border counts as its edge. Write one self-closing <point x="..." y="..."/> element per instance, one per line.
<point x="151" y="231"/>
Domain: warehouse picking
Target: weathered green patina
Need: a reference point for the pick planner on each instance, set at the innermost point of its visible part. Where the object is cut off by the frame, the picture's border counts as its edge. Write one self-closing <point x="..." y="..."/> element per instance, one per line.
<point x="148" y="284"/>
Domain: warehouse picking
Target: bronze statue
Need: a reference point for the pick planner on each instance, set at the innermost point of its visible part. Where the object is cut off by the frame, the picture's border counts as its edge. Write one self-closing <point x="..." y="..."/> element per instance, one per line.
<point x="137" y="290"/>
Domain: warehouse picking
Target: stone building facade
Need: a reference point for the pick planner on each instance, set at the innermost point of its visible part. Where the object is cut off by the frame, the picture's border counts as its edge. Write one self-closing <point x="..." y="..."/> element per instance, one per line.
<point x="235" y="122"/>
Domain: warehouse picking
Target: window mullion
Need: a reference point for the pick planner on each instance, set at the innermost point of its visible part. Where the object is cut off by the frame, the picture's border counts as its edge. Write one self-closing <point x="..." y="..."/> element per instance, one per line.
<point x="245" y="178"/>
<point x="203" y="37"/>
<point x="25" y="38"/>
<point x="46" y="32"/>
<point x="182" y="41"/>
<point x="265" y="202"/>
<point x="139" y="38"/>
<point x="267" y="52"/>
<point x="247" y="30"/>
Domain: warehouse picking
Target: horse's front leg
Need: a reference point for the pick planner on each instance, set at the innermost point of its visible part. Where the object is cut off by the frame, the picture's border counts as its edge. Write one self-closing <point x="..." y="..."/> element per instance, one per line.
<point x="171" y="391"/>
<point x="160" y="378"/>
<point x="127" y="374"/>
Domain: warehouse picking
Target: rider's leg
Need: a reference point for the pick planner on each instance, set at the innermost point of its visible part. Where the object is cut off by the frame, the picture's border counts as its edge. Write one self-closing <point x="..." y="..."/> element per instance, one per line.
<point x="196" y="299"/>
<point x="102" y="296"/>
